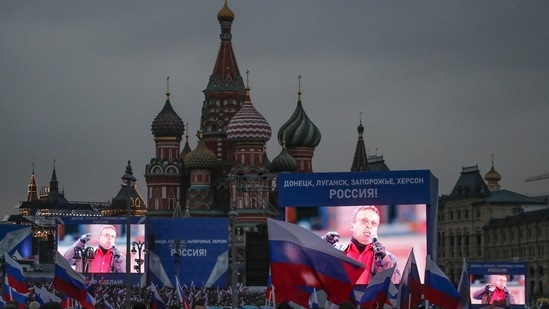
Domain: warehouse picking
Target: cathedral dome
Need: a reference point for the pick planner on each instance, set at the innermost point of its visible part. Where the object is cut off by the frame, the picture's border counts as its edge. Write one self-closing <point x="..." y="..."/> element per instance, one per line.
<point x="492" y="177"/>
<point x="167" y="122"/>
<point x="299" y="130"/>
<point x="200" y="158"/>
<point x="225" y="14"/>
<point x="248" y="124"/>
<point x="284" y="162"/>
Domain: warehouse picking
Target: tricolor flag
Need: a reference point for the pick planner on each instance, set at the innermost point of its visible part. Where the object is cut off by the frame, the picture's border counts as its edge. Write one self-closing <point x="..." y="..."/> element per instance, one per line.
<point x="15" y="288"/>
<point x="182" y="299"/>
<point x="14" y="275"/>
<point x="376" y="292"/>
<point x="68" y="281"/>
<point x="410" y="289"/>
<point x="438" y="289"/>
<point x="313" y="300"/>
<point x="44" y="296"/>
<point x="156" y="300"/>
<point x="464" y="287"/>
<point x="301" y="260"/>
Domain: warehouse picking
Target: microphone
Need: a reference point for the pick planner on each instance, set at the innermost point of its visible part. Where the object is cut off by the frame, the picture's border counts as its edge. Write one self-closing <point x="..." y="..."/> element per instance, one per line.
<point x="374" y="238"/>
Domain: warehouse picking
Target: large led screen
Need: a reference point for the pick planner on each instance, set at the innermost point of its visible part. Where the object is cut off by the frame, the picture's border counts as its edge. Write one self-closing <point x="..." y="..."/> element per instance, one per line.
<point x="401" y="228"/>
<point x="100" y="246"/>
<point x="405" y="201"/>
<point x="489" y="278"/>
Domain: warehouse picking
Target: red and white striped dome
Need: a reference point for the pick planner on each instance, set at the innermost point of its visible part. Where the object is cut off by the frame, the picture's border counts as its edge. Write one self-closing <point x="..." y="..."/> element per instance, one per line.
<point x="248" y="124"/>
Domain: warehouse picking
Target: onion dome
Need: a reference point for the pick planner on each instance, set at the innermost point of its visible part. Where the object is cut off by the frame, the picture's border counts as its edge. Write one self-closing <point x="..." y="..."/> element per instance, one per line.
<point x="492" y="177"/>
<point x="201" y="158"/>
<point x="225" y="14"/>
<point x="299" y="130"/>
<point x="187" y="148"/>
<point x="167" y="122"/>
<point x="248" y="124"/>
<point x="284" y="162"/>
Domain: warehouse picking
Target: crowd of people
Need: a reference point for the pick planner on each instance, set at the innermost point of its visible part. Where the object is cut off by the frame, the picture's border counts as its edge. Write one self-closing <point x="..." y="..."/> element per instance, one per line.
<point x="114" y="296"/>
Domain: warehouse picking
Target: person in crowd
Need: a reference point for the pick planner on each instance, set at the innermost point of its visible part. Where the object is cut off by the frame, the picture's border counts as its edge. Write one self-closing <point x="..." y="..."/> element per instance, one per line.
<point x="497" y="294"/>
<point x="364" y="246"/>
<point x="106" y="257"/>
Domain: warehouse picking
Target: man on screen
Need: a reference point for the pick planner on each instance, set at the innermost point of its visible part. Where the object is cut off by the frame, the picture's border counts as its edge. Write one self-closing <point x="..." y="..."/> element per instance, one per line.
<point x="495" y="295"/>
<point x="364" y="246"/>
<point x="106" y="257"/>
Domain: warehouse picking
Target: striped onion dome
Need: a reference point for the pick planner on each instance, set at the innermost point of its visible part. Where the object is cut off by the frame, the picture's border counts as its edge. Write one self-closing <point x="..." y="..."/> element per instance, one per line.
<point x="201" y="158"/>
<point x="284" y="162"/>
<point x="248" y="124"/>
<point x="299" y="130"/>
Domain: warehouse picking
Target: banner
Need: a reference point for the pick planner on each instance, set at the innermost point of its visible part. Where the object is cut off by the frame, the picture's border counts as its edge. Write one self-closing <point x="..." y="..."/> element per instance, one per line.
<point x="196" y="249"/>
<point x="355" y="188"/>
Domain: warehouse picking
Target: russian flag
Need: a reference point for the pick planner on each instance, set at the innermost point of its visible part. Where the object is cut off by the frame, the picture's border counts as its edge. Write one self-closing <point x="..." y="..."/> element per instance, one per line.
<point x="301" y="260"/>
<point x="68" y="281"/>
<point x="376" y="292"/>
<point x="156" y="300"/>
<point x="10" y="294"/>
<point x="182" y="299"/>
<point x="44" y="296"/>
<point x="108" y="305"/>
<point x="410" y="289"/>
<point x="464" y="287"/>
<point x="14" y="275"/>
<point x="313" y="300"/>
<point x="438" y="289"/>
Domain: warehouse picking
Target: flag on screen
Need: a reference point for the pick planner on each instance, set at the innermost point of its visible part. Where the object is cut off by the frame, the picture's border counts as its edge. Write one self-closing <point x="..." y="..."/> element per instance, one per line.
<point x="44" y="296"/>
<point x="464" y="287"/>
<point x="156" y="271"/>
<point x="68" y="281"/>
<point x="300" y="259"/>
<point x="14" y="275"/>
<point x="410" y="289"/>
<point x="156" y="300"/>
<point x="438" y="289"/>
<point x="376" y="292"/>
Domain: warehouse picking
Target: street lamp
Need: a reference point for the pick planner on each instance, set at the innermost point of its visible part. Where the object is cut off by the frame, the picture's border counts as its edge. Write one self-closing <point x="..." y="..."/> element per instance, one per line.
<point x="138" y="261"/>
<point x="128" y="181"/>
<point x="232" y="216"/>
<point x="176" y="247"/>
<point x="85" y="256"/>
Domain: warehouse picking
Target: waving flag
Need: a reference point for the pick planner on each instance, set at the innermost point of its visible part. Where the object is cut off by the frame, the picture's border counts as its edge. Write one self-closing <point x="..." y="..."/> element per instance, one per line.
<point x="44" y="296"/>
<point x="377" y="291"/>
<point x="156" y="300"/>
<point x="301" y="260"/>
<point x="313" y="300"/>
<point x="464" y="287"/>
<point x="68" y="281"/>
<point x="182" y="299"/>
<point x="108" y="305"/>
<point x="10" y="294"/>
<point x="410" y="289"/>
<point x="438" y="289"/>
<point x="14" y="275"/>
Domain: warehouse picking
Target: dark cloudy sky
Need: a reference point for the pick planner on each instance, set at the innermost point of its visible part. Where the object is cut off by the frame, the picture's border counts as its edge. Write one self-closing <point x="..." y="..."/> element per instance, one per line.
<point x="441" y="84"/>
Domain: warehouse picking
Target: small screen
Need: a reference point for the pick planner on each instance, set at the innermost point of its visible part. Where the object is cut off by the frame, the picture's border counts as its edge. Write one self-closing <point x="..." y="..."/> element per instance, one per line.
<point x="100" y="248"/>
